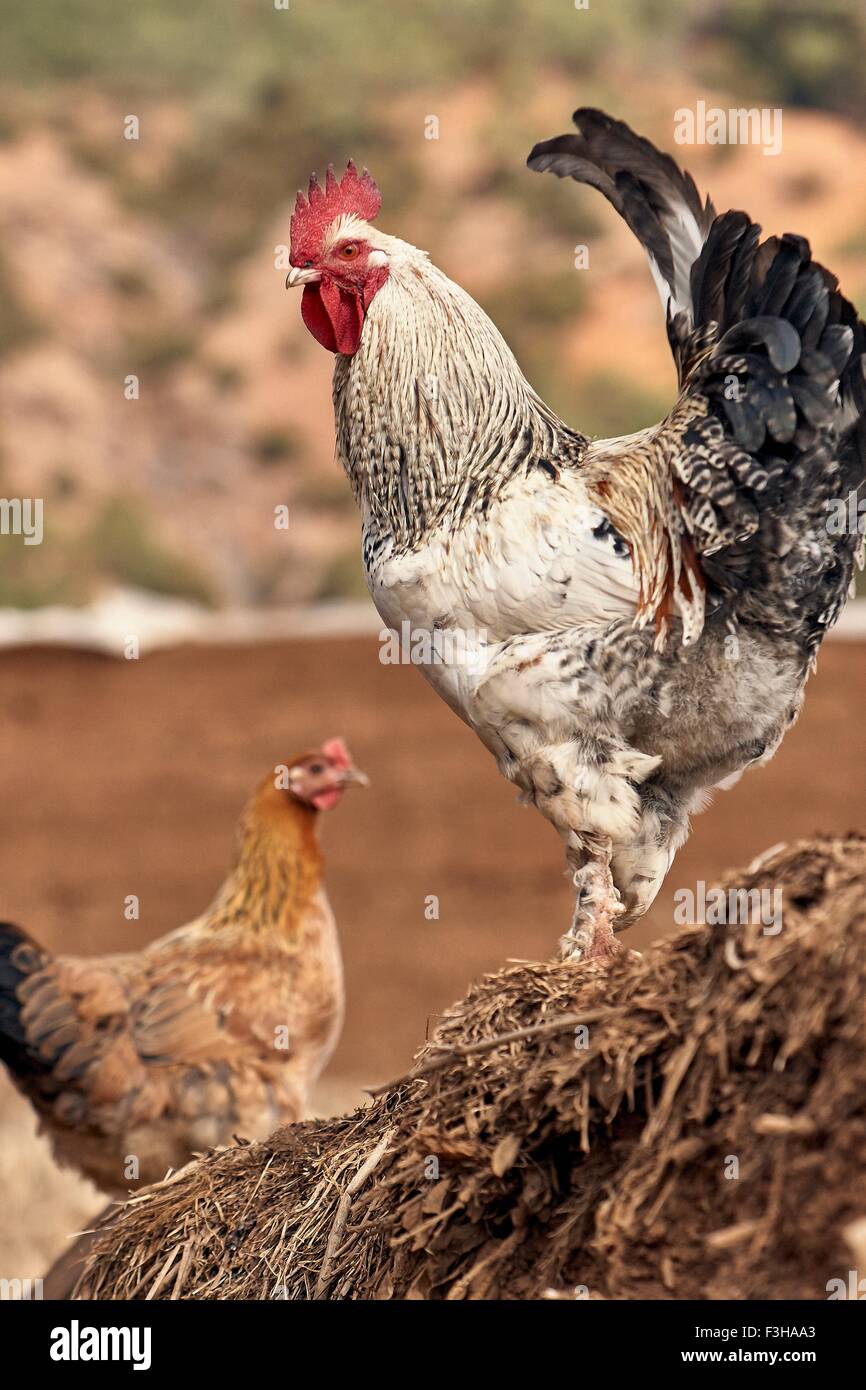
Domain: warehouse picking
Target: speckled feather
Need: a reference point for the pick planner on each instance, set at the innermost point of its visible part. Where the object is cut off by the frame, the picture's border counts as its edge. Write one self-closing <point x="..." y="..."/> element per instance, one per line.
<point x="641" y="613"/>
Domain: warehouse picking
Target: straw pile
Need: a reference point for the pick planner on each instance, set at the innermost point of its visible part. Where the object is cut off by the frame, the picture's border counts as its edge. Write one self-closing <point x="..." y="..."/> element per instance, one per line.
<point x="687" y="1124"/>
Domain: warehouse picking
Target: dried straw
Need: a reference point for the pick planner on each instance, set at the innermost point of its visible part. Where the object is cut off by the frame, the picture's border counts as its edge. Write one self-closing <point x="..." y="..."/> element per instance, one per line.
<point x="708" y="1142"/>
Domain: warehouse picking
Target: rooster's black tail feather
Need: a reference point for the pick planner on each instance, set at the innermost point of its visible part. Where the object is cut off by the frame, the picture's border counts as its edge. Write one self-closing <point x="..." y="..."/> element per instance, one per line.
<point x="657" y="200"/>
<point x="768" y="442"/>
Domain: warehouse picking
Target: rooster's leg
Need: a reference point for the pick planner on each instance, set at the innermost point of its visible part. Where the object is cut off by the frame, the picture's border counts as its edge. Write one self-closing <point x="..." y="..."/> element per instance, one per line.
<point x="597" y="905"/>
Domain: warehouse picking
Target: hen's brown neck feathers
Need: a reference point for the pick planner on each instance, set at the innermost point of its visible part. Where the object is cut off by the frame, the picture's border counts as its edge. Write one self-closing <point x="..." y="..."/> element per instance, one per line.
<point x="278" y="868"/>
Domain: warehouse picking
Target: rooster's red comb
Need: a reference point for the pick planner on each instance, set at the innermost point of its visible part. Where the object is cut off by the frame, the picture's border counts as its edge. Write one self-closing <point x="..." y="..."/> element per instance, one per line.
<point x="314" y="212"/>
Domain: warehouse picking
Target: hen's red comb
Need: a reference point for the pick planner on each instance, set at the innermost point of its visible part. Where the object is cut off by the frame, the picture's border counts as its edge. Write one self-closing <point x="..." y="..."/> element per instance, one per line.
<point x="336" y="750"/>
<point x="353" y="193"/>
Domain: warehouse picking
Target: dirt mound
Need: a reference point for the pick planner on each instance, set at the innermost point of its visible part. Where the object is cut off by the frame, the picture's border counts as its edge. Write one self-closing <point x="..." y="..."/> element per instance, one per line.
<point x="686" y="1124"/>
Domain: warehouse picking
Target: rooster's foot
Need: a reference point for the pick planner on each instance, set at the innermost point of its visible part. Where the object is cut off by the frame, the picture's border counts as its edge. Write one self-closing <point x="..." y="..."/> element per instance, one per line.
<point x="590" y="940"/>
<point x="591" y="934"/>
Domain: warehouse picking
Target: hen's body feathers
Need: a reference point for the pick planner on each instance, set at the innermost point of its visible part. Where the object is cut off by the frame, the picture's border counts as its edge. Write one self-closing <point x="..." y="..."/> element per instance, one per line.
<point x="134" y="1062"/>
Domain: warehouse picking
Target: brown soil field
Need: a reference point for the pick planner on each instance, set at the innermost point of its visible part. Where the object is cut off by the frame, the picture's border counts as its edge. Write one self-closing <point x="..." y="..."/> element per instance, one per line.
<point x="127" y="777"/>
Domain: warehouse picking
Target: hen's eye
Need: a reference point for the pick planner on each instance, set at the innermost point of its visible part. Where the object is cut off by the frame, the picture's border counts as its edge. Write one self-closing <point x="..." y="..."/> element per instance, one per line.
<point x="315" y="768"/>
<point x="349" y="251"/>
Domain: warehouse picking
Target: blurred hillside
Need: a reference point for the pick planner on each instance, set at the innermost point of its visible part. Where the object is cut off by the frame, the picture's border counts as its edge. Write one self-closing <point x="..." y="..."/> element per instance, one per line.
<point x="155" y="257"/>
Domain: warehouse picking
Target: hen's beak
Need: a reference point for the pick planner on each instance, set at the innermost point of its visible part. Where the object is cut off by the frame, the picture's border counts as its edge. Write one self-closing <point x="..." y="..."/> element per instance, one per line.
<point x="302" y="275"/>
<point x="353" y="777"/>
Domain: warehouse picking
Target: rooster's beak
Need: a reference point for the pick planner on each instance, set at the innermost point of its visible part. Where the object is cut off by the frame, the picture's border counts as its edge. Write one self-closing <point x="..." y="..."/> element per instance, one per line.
<point x="302" y="275"/>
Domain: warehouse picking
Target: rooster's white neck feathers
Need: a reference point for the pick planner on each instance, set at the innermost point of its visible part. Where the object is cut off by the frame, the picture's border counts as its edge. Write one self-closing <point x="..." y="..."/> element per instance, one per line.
<point x="433" y="413"/>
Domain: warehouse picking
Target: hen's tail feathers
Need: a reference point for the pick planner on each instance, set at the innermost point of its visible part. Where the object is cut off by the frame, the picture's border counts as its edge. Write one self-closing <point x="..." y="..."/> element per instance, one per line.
<point x="20" y="958"/>
<point x="767" y="445"/>
<point x="649" y="191"/>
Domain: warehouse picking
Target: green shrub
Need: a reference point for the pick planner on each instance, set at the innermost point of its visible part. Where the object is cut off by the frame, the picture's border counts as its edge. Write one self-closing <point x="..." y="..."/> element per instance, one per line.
<point x="344" y="577"/>
<point x="275" y="445"/>
<point x="123" y="547"/>
<point x="17" y="326"/>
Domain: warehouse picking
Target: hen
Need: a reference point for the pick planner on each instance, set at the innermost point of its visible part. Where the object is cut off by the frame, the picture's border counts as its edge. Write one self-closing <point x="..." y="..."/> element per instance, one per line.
<point x="630" y="622"/>
<point x="134" y="1061"/>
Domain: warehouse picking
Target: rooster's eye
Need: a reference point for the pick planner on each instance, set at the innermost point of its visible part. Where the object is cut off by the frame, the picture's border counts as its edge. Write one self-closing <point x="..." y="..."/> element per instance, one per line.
<point x="316" y="768"/>
<point x="349" y="251"/>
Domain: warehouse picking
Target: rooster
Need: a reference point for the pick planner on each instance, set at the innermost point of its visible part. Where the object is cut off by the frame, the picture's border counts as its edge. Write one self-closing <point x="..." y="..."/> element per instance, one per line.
<point x="135" y="1061"/>
<point x="638" y="615"/>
